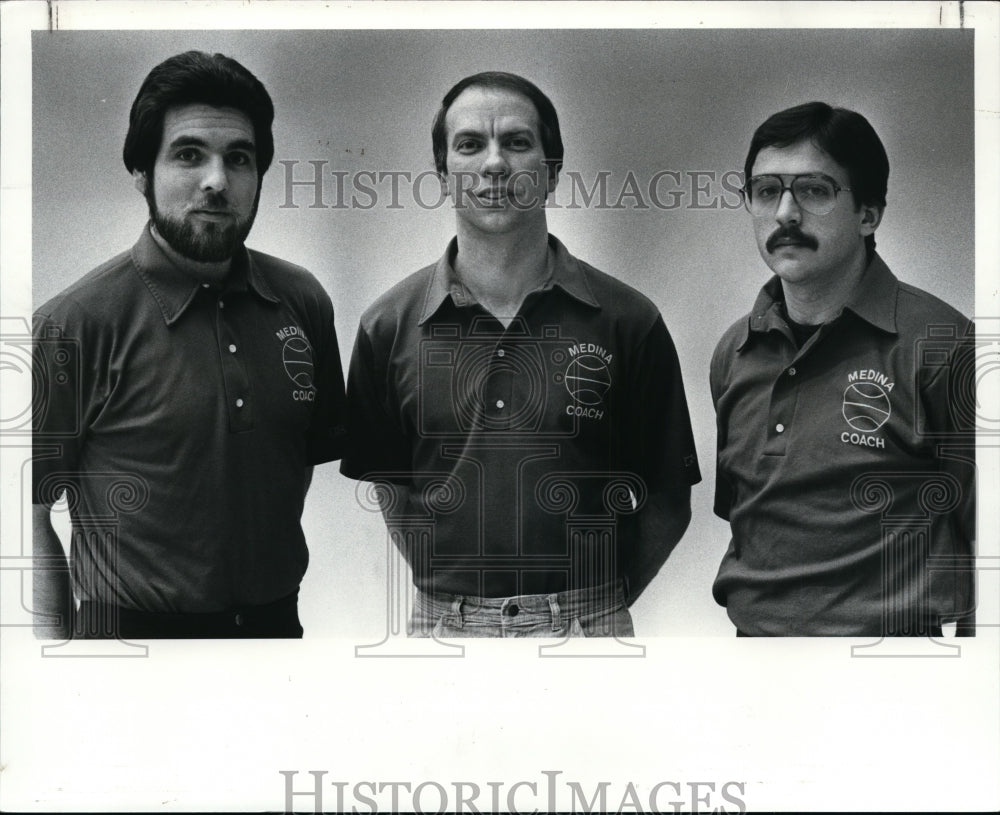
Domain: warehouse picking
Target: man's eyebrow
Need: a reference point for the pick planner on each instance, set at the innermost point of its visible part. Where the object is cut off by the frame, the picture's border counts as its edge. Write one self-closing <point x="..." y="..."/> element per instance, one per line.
<point x="197" y="141"/>
<point x="467" y="131"/>
<point x="504" y="132"/>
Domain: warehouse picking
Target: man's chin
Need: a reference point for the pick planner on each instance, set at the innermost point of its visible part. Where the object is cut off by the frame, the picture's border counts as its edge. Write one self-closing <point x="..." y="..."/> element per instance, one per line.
<point x="791" y="270"/>
<point x="201" y="243"/>
<point x="498" y="220"/>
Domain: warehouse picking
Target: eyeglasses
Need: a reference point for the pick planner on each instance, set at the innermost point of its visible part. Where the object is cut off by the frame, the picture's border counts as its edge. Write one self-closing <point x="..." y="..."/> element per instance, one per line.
<point x="815" y="193"/>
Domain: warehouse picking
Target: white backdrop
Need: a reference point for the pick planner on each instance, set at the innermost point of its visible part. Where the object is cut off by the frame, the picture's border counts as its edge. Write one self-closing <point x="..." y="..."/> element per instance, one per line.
<point x="637" y="102"/>
<point x="800" y="725"/>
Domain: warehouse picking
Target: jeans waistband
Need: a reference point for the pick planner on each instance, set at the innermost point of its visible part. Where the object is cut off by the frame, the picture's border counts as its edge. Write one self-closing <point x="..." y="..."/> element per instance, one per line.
<point x="564" y="604"/>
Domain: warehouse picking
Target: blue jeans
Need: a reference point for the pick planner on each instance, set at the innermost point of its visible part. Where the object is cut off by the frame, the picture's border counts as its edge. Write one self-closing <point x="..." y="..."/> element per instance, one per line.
<point x="596" y="612"/>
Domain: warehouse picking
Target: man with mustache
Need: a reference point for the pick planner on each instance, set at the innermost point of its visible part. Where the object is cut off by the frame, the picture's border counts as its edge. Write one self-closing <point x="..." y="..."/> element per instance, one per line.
<point x="845" y="461"/>
<point x="186" y="389"/>
<point x="522" y="413"/>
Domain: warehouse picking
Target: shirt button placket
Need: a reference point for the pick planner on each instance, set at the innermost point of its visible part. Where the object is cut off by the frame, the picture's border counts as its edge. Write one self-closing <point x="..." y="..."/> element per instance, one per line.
<point x="498" y="388"/>
<point x="234" y="374"/>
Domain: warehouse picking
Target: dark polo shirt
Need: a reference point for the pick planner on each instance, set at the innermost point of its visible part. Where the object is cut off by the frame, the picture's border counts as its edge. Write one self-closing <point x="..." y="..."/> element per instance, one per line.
<point x="846" y="467"/>
<point x="518" y="451"/>
<point x="181" y="419"/>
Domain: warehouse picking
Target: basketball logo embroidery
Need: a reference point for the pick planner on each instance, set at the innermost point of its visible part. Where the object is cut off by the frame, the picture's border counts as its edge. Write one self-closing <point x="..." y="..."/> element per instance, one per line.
<point x="866" y="406"/>
<point x="587" y="379"/>
<point x="297" y="356"/>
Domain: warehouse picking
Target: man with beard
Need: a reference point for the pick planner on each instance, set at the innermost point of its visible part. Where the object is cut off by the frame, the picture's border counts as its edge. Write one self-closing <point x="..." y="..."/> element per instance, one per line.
<point x="846" y="463"/>
<point x="185" y="389"/>
<point x="522" y="411"/>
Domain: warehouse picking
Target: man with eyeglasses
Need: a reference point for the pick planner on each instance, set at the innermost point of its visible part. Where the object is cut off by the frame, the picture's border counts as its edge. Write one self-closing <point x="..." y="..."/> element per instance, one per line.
<point x="845" y="465"/>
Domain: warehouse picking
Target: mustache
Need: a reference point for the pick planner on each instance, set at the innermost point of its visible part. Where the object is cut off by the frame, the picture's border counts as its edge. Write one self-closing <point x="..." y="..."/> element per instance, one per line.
<point x="213" y="200"/>
<point x="793" y="234"/>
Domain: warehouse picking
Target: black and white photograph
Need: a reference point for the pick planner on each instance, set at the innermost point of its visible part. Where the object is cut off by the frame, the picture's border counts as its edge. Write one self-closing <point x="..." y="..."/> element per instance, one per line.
<point x="342" y="341"/>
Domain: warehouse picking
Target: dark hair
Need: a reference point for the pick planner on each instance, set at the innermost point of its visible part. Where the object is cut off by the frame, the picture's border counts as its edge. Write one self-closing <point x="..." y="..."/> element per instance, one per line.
<point x="191" y="78"/>
<point x="548" y="120"/>
<point x="844" y="135"/>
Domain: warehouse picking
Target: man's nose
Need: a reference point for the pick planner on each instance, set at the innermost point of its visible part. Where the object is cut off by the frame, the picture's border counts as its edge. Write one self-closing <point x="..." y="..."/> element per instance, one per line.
<point x="215" y="178"/>
<point x="788" y="211"/>
<point x="494" y="161"/>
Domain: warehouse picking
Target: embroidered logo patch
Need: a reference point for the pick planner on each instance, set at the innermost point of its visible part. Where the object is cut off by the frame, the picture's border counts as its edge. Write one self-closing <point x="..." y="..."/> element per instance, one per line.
<point x="296" y="355"/>
<point x="588" y="379"/>
<point x="866" y="407"/>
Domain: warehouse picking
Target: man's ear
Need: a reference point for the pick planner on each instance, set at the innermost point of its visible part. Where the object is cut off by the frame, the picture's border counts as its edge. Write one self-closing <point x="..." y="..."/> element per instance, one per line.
<point x="444" y="182"/>
<point x="139" y="179"/>
<point x="552" y="168"/>
<point x="871" y="217"/>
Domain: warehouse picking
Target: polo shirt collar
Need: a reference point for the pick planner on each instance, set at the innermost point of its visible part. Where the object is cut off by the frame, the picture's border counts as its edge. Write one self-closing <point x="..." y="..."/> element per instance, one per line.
<point x="873" y="300"/>
<point x="564" y="271"/>
<point x="173" y="289"/>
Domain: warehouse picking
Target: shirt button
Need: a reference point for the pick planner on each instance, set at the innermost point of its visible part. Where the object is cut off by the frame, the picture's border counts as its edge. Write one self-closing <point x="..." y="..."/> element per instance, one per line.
<point x="222" y="304"/>
<point x="204" y="285"/>
<point x="501" y="353"/>
<point x="513" y="610"/>
<point x="791" y="372"/>
<point x="232" y="349"/>
<point x="238" y="619"/>
<point x="500" y="404"/>
<point x="780" y="428"/>
<point x="239" y="403"/>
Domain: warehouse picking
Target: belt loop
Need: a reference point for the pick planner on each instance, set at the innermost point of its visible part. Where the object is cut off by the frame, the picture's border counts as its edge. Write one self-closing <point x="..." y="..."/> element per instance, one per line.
<point x="456" y="611"/>
<point x="556" y="612"/>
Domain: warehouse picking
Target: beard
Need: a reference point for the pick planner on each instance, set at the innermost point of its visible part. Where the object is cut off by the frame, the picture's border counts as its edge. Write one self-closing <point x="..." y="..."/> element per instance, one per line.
<point x="203" y="242"/>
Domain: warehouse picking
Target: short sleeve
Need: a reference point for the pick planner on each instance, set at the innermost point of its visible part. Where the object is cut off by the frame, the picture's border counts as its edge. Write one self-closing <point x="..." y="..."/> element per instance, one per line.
<point x="327" y="433"/>
<point x="723" y="487"/>
<point x="948" y="407"/>
<point x="375" y="441"/>
<point x="59" y="406"/>
<point x="665" y="441"/>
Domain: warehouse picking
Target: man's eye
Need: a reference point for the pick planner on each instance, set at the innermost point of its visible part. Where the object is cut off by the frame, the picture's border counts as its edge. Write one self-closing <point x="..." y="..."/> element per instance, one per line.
<point x="817" y="192"/>
<point x="240" y="160"/>
<point x="766" y="192"/>
<point x="520" y="143"/>
<point x="467" y="146"/>
<point x="187" y="154"/>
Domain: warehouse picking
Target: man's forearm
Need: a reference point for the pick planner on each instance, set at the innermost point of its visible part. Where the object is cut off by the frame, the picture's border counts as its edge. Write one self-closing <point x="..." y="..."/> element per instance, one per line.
<point x="661" y="524"/>
<point x="50" y="590"/>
